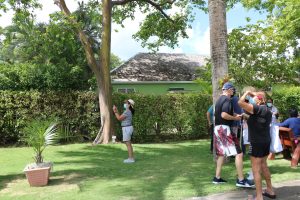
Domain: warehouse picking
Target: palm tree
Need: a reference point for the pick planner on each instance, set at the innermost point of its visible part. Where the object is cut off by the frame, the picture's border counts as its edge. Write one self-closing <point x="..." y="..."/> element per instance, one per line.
<point x="218" y="43"/>
<point x="38" y="135"/>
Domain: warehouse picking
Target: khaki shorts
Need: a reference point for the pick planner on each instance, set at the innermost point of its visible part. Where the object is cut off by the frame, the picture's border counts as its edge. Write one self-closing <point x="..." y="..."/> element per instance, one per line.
<point x="127" y="133"/>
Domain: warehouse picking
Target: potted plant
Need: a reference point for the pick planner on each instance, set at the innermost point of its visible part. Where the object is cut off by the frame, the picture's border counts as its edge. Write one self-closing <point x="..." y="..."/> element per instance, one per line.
<point x="39" y="134"/>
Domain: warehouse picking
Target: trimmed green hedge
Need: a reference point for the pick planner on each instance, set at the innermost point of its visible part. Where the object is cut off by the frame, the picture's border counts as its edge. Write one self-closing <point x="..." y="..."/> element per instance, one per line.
<point x="285" y="98"/>
<point x="157" y="118"/>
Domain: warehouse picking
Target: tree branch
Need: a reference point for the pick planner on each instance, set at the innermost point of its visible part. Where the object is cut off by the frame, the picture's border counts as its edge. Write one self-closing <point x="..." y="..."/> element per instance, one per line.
<point x="121" y="2"/>
<point x="155" y="5"/>
<point x="82" y="36"/>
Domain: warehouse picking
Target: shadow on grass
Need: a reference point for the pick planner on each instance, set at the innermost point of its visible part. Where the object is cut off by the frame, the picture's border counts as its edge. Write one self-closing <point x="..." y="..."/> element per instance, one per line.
<point x="5" y="179"/>
<point x="161" y="170"/>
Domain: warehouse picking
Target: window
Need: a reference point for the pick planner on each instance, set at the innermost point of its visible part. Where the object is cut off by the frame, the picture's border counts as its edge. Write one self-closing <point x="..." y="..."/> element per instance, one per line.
<point x="176" y="89"/>
<point x="126" y="90"/>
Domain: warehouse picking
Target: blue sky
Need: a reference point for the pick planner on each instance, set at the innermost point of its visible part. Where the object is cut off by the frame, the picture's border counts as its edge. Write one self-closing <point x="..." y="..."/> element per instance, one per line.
<point x="198" y="41"/>
<point x="125" y="47"/>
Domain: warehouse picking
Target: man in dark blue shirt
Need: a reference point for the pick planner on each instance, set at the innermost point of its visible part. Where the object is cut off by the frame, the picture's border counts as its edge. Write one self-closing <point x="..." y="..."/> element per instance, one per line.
<point x="226" y="142"/>
<point x="293" y="122"/>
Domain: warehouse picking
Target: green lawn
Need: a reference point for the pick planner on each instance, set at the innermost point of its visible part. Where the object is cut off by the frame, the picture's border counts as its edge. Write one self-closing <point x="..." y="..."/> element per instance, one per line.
<point x="162" y="171"/>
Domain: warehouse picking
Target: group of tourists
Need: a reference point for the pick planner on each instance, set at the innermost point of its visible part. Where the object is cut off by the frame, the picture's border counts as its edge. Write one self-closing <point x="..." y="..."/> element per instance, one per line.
<point x="228" y="112"/>
<point x="254" y="113"/>
<point x="249" y="117"/>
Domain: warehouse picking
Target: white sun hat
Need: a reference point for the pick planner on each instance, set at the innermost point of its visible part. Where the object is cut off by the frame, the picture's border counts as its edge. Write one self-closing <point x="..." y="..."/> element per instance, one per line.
<point x="131" y="102"/>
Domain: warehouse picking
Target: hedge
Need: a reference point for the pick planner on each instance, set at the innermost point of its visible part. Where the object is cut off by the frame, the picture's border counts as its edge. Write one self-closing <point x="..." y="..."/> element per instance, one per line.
<point x="285" y="98"/>
<point x="157" y="118"/>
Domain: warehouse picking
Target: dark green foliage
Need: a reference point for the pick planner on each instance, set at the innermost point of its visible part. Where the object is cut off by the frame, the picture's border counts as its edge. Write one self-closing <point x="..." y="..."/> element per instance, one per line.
<point x="157" y="118"/>
<point x="168" y="117"/>
<point x="43" y="76"/>
<point x="285" y="98"/>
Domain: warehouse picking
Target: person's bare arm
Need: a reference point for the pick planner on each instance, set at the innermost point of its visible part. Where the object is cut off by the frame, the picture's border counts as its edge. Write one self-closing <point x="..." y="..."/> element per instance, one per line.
<point x="246" y="106"/>
<point x="118" y="116"/>
<point x="208" y="118"/>
<point x="227" y="116"/>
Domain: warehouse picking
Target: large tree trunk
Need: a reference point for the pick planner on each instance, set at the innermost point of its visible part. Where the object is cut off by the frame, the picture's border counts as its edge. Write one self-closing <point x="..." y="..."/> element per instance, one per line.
<point x="218" y="43"/>
<point x="100" y="70"/>
<point x="105" y="94"/>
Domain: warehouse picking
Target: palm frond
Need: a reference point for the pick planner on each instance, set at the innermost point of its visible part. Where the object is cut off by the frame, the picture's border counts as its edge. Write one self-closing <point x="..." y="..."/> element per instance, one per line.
<point x="51" y="134"/>
<point x="38" y="135"/>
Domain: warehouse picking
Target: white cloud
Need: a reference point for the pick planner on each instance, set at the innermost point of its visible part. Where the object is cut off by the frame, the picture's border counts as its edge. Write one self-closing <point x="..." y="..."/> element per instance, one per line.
<point x="122" y="43"/>
<point x="202" y="43"/>
<point x="6" y="18"/>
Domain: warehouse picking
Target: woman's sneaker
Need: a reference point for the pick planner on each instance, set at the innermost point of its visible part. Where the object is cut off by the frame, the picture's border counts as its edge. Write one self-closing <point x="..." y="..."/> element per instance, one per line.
<point x="129" y="160"/>
<point x="244" y="183"/>
<point x="218" y="180"/>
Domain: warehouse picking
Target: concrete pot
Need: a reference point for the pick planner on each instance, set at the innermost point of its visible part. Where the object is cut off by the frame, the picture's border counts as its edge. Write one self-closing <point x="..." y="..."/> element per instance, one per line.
<point x="38" y="175"/>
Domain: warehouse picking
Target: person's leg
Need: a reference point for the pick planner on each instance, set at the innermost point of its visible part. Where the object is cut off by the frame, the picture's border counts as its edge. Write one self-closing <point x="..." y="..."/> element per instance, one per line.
<point x="267" y="175"/>
<point x="239" y="166"/>
<point x="220" y="161"/>
<point x="127" y="133"/>
<point x="256" y="168"/>
<point x="295" y="157"/>
<point x="239" y="156"/>
<point x="211" y="129"/>
<point x="129" y="149"/>
<point x="271" y="156"/>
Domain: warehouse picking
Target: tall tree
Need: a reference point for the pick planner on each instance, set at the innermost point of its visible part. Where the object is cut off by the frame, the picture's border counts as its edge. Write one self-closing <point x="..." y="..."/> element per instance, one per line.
<point x="162" y="28"/>
<point x="218" y="43"/>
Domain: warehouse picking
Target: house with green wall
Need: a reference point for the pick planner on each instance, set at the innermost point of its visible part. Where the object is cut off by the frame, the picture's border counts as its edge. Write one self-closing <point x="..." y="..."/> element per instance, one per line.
<point x="158" y="73"/>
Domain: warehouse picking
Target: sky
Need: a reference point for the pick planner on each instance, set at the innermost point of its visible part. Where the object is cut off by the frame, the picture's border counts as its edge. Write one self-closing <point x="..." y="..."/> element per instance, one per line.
<point x="124" y="46"/>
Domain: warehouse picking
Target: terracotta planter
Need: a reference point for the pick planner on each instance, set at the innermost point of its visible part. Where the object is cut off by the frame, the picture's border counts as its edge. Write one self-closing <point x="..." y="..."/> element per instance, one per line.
<point x="38" y="176"/>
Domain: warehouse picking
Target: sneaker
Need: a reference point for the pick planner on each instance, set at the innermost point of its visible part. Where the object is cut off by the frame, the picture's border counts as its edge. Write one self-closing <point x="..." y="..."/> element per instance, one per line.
<point x="244" y="183"/>
<point x="129" y="160"/>
<point x="218" y="180"/>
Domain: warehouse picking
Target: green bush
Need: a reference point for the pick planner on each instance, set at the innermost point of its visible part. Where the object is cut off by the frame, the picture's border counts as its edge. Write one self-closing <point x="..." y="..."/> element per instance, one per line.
<point x="285" y="98"/>
<point x="157" y="118"/>
<point x="27" y="76"/>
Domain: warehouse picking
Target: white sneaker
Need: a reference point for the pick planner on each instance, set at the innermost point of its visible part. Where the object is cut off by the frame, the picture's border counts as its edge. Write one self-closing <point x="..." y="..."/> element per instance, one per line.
<point x="129" y="160"/>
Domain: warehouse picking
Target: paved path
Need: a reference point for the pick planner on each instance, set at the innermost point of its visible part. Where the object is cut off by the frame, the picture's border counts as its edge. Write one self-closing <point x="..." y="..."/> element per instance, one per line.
<point x="289" y="190"/>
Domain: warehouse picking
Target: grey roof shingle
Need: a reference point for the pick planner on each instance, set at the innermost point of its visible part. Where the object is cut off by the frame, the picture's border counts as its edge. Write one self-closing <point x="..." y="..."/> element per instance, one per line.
<point x="159" y="67"/>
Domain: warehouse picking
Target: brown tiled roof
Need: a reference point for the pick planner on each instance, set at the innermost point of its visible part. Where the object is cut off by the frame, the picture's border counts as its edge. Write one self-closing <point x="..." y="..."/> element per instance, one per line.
<point x="159" y="67"/>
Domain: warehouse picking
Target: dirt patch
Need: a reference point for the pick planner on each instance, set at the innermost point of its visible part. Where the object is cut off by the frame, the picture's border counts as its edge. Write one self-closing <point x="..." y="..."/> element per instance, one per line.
<point x="57" y="184"/>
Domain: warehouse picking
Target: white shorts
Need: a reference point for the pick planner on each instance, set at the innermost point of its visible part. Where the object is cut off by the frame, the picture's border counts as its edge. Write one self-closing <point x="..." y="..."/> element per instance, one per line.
<point x="127" y="133"/>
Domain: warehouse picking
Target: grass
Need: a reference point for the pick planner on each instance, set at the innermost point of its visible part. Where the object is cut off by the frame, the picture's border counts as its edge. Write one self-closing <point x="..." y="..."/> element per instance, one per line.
<point x="162" y="171"/>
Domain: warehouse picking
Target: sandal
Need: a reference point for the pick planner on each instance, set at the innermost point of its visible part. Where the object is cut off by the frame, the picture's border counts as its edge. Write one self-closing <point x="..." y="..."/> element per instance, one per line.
<point x="266" y="194"/>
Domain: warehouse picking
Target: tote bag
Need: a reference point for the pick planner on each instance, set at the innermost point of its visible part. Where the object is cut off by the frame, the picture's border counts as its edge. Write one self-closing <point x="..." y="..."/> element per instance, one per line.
<point x="276" y="145"/>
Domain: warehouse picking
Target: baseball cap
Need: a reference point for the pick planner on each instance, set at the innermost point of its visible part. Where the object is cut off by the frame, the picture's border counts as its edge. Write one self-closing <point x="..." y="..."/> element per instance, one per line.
<point x="228" y="86"/>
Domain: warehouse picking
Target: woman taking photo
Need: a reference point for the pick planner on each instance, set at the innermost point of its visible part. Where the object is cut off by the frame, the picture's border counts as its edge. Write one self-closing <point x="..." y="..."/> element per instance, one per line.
<point x="127" y="128"/>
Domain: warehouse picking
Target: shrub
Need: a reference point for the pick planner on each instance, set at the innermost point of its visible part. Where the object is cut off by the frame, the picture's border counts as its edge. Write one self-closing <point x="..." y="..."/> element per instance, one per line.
<point x="285" y="98"/>
<point x="157" y="118"/>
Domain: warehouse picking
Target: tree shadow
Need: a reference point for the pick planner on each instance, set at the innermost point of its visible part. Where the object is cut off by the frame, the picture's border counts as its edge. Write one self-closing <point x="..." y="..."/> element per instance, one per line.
<point x="156" y="170"/>
<point x="161" y="170"/>
<point x="5" y="179"/>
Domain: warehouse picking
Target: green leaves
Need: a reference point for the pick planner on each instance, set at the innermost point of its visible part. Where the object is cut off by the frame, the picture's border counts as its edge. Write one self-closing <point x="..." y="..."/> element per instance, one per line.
<point x="258" y="57"/>
<point x="38" y="134"/>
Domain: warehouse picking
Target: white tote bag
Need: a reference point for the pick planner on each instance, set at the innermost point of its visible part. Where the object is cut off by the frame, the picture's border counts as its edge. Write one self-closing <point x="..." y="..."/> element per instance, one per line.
<point x="276" y="145"/>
